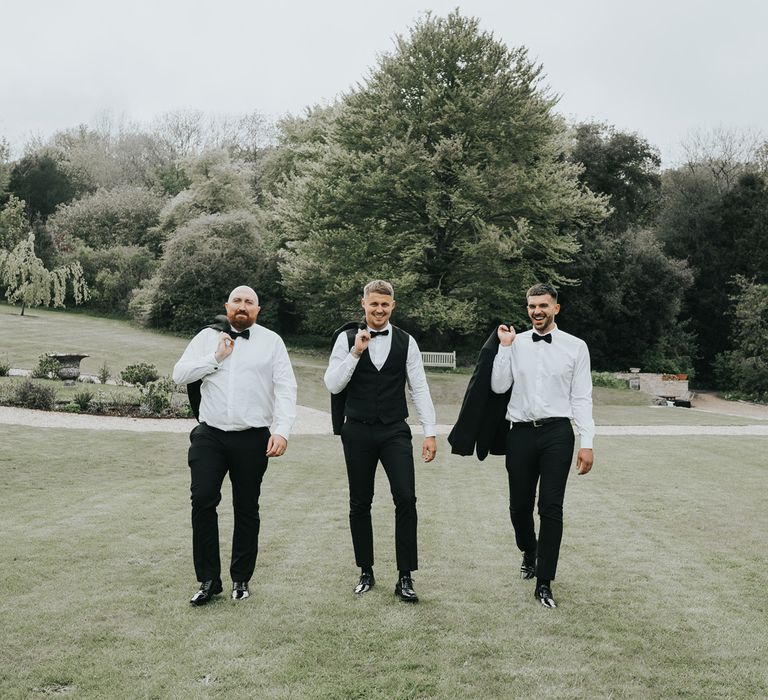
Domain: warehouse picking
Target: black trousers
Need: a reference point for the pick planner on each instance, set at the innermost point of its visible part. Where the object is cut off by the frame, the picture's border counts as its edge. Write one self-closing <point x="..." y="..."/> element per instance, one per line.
<point x="212" y="454"/>
<point x="364" y="446"/>
<point x="539" y="456"/>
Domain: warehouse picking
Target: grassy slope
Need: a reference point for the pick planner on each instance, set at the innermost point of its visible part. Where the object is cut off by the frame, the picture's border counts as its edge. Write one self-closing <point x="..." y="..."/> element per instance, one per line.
<point x="660" y="585"/>
<point x="24" y="339"/>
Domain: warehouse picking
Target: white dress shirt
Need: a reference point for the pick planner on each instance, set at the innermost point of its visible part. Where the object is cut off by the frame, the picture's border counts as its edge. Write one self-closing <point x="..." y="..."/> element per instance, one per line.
<point x="254" y="387"/>
<point x="342" y="364"/>
<point x="548" y="380"/>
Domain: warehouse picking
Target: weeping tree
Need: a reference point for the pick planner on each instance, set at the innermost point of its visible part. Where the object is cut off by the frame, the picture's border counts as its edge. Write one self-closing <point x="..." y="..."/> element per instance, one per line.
<point x="30" y="283"/>
<point x="445" y="172"/>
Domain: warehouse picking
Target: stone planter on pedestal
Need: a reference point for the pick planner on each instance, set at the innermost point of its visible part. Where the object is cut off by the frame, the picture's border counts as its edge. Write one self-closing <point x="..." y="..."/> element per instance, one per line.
<point x="70" y="365"/>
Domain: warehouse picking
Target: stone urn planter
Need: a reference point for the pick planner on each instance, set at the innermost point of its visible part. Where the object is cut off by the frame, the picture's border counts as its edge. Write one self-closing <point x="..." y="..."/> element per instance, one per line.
<point x="70" y="365"/>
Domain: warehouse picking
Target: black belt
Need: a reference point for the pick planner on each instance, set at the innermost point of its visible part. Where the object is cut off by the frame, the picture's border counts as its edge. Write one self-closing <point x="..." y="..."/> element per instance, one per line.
<point x="538" y="423"/>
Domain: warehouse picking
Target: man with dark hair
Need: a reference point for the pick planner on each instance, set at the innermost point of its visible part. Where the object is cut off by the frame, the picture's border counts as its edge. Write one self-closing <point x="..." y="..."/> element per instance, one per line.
<point x="247" y="387"/>
<point x="373" y="365"/>
<point x="548" y="372"/>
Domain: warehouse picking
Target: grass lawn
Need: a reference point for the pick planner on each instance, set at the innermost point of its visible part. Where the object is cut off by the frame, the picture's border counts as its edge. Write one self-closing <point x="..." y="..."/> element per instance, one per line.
<point x="661" y="583"/>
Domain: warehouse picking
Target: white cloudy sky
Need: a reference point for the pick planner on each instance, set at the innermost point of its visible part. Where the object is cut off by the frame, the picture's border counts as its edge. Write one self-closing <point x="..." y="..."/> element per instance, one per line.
<point x="663" y="68"/>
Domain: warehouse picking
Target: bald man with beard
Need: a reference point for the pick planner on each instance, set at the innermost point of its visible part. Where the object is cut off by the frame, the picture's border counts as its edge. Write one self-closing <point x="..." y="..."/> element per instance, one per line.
<point x="247" y="410"/>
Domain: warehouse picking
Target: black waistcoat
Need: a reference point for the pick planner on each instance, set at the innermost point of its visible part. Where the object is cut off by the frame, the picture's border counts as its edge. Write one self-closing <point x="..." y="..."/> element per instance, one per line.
<point x="379" y="395"/>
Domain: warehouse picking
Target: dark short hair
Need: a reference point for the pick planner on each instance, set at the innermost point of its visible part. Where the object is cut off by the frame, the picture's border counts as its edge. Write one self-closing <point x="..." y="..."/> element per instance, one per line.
<point x="541" y="288"/>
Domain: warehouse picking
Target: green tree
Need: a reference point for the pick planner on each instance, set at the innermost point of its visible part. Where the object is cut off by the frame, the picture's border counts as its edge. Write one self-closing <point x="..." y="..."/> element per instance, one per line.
<point x="444" y="172"/>
<point x="204" y="260"/>
<point x="123" y="216"/>
<point x="113" y="273"/>
<point x="29" y="282"/>
<point x="43" y="182"/>
<point x="213" y="242"/>
<point x="744" y="368"/>
<point x="627" y="305"/>
<point x="624" y="167"/>
<point x="218" y="184"/>
<point x="14" y="225"/>
<point x="720" y="229"/>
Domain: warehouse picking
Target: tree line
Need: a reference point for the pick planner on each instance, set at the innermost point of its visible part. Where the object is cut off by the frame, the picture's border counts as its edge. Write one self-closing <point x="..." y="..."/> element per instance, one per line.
<point x="446" y="170"/>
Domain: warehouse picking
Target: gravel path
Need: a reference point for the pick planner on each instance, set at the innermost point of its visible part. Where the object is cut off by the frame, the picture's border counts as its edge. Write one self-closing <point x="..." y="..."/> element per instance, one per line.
<point x="310" y="421"/>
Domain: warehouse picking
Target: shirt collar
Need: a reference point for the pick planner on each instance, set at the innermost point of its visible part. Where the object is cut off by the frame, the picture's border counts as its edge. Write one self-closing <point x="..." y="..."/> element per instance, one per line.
<point x="386" y="328"/>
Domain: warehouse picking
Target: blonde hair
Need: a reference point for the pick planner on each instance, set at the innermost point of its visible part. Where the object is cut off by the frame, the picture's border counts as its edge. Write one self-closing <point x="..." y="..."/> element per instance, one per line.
<point x="379" y="287"/>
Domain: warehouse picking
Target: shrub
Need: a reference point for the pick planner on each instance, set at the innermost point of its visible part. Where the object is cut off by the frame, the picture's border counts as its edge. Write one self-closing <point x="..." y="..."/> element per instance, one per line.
<point x="5" y="367"/>
<point x="29" y="394"/>
<point x="156" y="396"/>
<point x="47" y="367"/>
<point x="606" y="379"/>
<point x="83" y="399"/>
<point x="140" y="374"/>
<point x="104" y="373"/>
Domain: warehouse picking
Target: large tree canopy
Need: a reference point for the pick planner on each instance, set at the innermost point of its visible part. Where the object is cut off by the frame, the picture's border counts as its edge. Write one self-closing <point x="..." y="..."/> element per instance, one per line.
<point x="445" y="173"/>
<point x="721" y="230"/>
<point x="43" y="182"/>
<point x="623" y="166"/>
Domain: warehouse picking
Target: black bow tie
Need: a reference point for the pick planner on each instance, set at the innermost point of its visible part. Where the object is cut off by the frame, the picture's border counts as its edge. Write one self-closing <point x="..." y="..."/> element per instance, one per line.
<point x="243" y="334"/>
<point x="375" y="333"/>
<point x="546" y="338"/>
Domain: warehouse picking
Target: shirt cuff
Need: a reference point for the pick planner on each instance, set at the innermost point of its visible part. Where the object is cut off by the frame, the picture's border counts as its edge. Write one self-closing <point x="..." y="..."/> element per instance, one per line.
<point x="430" y="431"/>
<point x="505" y="349"/>
<point x="586" y="441"/>
<point x="281" y="429"/>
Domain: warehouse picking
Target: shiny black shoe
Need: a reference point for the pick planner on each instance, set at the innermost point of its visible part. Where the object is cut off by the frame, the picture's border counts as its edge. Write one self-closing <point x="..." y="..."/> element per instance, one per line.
<point x="208" y="589"/>
<point x="240" y="590"/>
<point x="404" y="590"/>
<point x="544" y="595"/>
<point x="528" y="567"/>
<point x="365" y="583"/>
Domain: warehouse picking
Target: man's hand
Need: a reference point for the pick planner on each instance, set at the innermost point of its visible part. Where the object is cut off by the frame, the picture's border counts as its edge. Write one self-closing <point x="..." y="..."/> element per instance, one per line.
<point x="584" y="460"/>
<point x="506" y="335"/>
<point x="225" y="347"/>
<point x="429" y="449"/>
<point x="362" y="339"/>
<point x="276" y="446"/>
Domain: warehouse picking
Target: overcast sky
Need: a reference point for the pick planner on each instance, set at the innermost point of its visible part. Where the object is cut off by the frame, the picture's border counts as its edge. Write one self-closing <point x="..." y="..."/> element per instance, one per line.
<point x="662" y="68"/>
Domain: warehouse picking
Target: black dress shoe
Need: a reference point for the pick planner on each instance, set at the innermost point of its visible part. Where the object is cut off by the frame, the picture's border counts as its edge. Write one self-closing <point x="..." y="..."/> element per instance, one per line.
<point x="528" y="567"/>
<point x="240" y="590"/>
<point x="544" y="595"/>
<point x="365" y="583"/>
<point x="208" y="589"/>
<point x="404" y="590"/>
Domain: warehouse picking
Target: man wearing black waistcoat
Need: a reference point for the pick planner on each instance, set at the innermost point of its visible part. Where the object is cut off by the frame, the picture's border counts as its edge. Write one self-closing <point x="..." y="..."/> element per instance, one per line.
<point x="247" y="388"/>
<point x="372" y="366"/>
<point x="548" y="372"/>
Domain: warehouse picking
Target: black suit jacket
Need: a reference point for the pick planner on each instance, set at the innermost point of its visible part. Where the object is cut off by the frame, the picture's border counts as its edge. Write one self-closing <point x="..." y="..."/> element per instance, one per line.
<point x="220" y="323"/>
<point x="482" y="425"/>
<point x="339" y="401"/>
